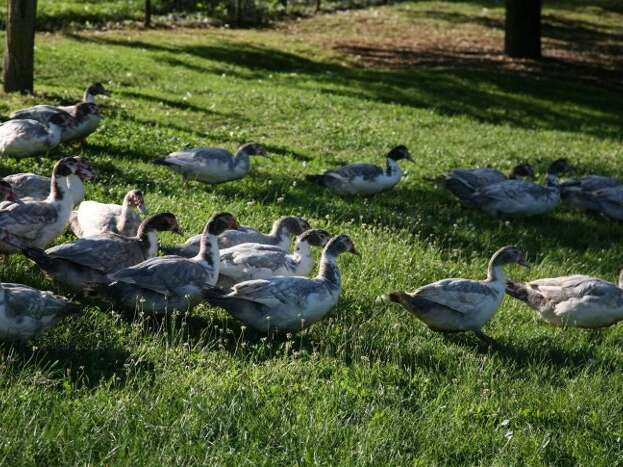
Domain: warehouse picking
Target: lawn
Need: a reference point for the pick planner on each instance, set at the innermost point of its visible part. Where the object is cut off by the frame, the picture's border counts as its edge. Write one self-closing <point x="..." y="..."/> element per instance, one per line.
<point x="369" y="385"/>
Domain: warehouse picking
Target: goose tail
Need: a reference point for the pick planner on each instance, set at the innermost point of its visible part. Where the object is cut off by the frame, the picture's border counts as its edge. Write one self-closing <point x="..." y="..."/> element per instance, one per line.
<point x="459" y="188"/>
<point x="40" y="258"/>
<point x="525" y="293"/>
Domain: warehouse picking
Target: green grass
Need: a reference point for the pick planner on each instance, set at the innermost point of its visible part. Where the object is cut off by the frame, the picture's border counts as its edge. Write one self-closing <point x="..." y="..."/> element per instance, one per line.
<point x="370" y="384"/>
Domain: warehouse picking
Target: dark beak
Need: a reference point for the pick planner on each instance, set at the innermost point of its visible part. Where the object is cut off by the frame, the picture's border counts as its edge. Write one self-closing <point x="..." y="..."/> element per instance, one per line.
<point x="177" y="230"/>
<point x="355" y="252"/>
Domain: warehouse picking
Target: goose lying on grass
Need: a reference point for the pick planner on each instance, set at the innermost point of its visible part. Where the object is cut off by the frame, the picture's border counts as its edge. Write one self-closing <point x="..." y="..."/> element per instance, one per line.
<point x="572" y="301"/>
<point x="38" y="223"/>
<point x="92" y="218"/>
<point x="86" y="261"/>
<point x="479" y="178"/>
<point x="26" y="312"/>
<point x="284" y="304"/>
<point x="82" y="119"/>
<point x="213" y="165"/>
<point x="256" y="261"/>
<point x="515" y="198"/>
<point x="364" y="179"/>
<point x="279" y="236"/>
<point x="25" y="138"/>
<point x="168" y="283"/>
<point x="454" y="305"/>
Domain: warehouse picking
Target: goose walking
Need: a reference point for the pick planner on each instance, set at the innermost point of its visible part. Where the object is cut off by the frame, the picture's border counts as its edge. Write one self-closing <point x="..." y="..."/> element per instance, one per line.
<point x="25" y="138"/>
<point x="38" y="223"/>
<point x="213" y="165"/>
<point x="85" y="262"/>
<point x="279" y="236"/>
<point x="284" y="304"/>
<point x="93" y="218"/>
<point x="364" y="179"/>
<point x="167" y="283"/>
<point x="26" y="312"/>
<point x="256" y="261"/>
<point x="516" y="198"/>
<point x="572" y="301"/>
<point x="455" y="305"/>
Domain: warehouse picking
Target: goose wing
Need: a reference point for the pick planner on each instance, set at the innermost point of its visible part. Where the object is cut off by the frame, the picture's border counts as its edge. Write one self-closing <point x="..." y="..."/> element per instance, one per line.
<point x="27" y="301"/>
<point x="40" y="113"/>
<point x="277" y="291"/>
<point x="26" y="220"/>
<point x="462" y="295"/>
<point x="478" y="178"/>
<point x="352" y="171"/>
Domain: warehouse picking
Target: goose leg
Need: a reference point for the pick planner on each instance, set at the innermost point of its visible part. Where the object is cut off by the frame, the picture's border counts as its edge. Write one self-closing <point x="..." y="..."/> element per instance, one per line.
<point x="484" y="338"/>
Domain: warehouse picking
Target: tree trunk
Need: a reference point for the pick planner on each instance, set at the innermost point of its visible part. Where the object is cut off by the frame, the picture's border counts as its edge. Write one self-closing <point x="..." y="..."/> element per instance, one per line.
<point x="523" y="29"/>
<point x="318" y="6"/>
<point x="147" y="18"/>
<point x="19" y="52"/>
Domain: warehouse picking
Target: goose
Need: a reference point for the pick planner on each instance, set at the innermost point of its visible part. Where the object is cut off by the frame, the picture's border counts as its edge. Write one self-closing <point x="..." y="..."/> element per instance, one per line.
<point x="33" y="187"/>
<point x="25" y="138"/>
<point x="213" y="165"/>
<point x="85" y="262"/>
<point x="516" y="198"/>
<point x="256" y="261"/>
<point x="93" y="218"/>
<point x="578" y="192"/>
<point x="364" y="179"/>
<point x="283" y="228"/>
<point x="38" y="223"/>
<point x="84" y="117"/>
<point x="286" y="303"/>
<point x="480" y="177"/>
<point x="572" y="301"/>
<point x="455" y="305"/>
<point x="167" y="283"/>
<point x="26" y="312"/>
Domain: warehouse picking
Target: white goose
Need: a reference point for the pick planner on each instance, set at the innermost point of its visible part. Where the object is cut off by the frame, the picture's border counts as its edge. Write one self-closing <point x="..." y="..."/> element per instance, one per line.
<point x="167" y="283"/>
<point x="38" y="223"/>
<point x="284" y="304"/>
<point x="572" y="301"/>
<point x="279" y="236"/>
<point x="93" y="218"/>
<point x="364" y="179"/>
<point x="26" y="312"/>
<point x="84" y="117"/>
<point x="256" y="261"/>
<point x="25" y="138"/>
<point x="454" y="305"/>
<point x="213" y="165"/>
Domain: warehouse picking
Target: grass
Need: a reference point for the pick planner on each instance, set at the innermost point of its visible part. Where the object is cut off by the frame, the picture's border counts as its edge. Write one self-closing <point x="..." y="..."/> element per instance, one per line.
<point x="369" y="385"/>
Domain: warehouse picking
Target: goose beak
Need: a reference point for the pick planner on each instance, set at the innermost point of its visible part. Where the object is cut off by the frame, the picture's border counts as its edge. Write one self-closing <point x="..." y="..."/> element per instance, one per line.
<point x="177" y="230"/>
<point x="355" y="252"/>
<point x="524" y="263"/>
<point x="409" y="158"/>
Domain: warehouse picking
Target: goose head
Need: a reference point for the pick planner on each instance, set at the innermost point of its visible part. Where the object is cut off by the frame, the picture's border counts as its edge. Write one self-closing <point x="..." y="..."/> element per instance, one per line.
<point x="6" y="191"/>
<point x="84" y="168"/>
<point x="559" y="166"/>
<point x="399" y="153"/>
<point x="340" y="244"/>
<point x="290" y="225"/>
<point x="74" y="166"/>
<point x="96" y="89"/>
<point x="315" y="237"/>
<point x="219" y="223"/>
<point x="135" y="199"/>
<point x="162" y="222"/>
<point x="252" y="149"/>
<point x="508" y="255"/>
<point x="523" y="170"/>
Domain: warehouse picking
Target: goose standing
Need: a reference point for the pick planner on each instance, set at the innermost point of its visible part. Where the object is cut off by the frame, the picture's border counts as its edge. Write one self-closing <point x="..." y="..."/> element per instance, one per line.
<point x="480" y="177"/>
<point x="85" y="262"/>
<point x="455" y="305"/>
<point x="250" y="261"/>
<point x="516" y="198"/>
<point x="572" y="301"/>
<point x="82" y="119"/>
<point x="364" y="179"/>
<point x="213" y="165"/>
<point x="33" y="187"/>
<point x="25" y="138"/>
<point x="26" y="312"/>
<point x="93" y="218"/>
<point x="279" y="236"/>
<point x="284" y="304"/>
<point x="167" y="283"/>
<point x="38" y="223"/>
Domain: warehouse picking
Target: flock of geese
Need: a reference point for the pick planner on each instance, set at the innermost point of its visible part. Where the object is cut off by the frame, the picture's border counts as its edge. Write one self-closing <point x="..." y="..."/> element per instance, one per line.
<point x="251" y="274"/>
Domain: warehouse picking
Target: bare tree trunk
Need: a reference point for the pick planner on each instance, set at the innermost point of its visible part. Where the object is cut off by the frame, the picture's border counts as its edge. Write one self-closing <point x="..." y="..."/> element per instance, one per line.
<point x="147" y="18"/>
<point x="19" y="52"/>
<point x="523" y="29"/>
<point x="318" y="5"/>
